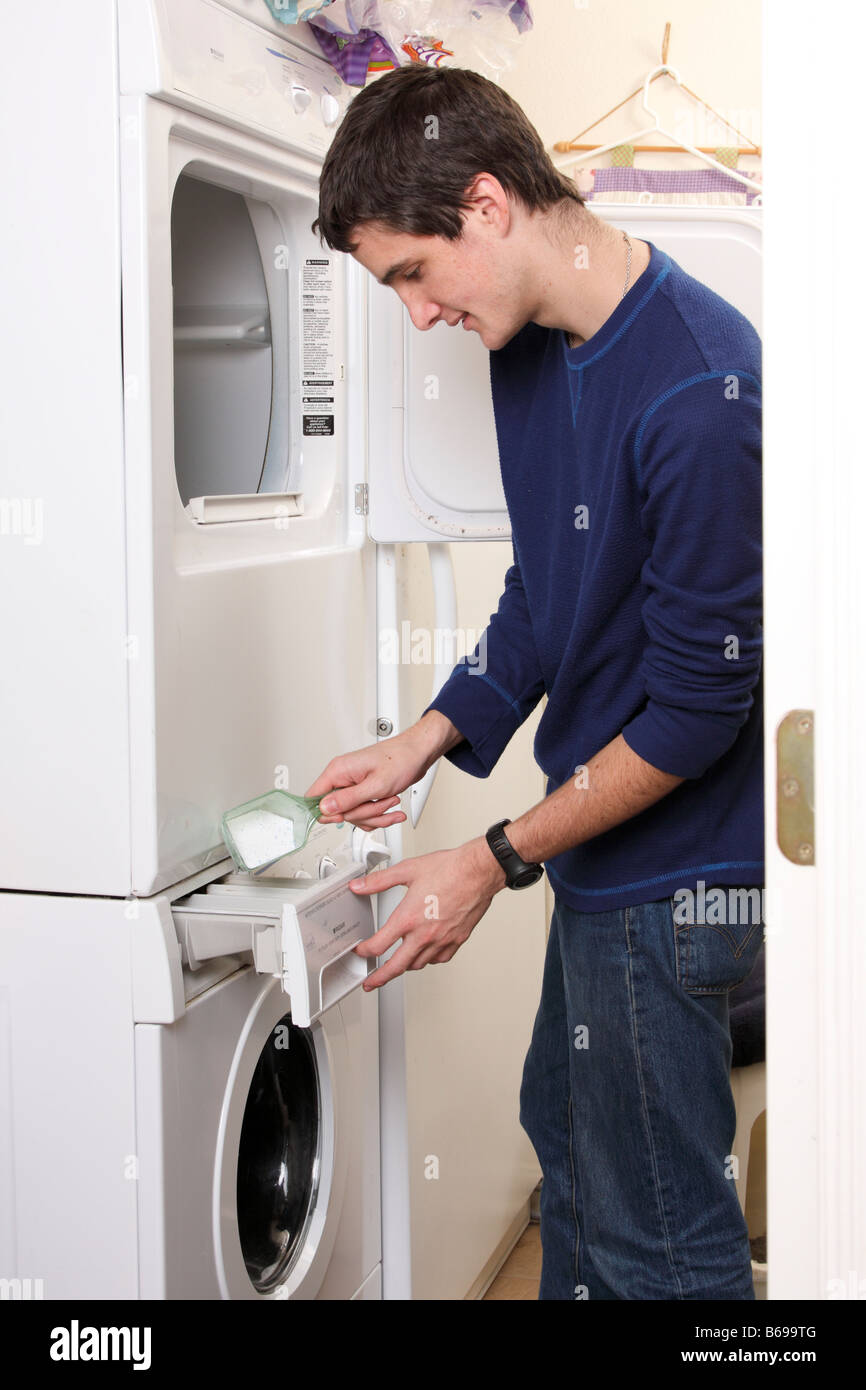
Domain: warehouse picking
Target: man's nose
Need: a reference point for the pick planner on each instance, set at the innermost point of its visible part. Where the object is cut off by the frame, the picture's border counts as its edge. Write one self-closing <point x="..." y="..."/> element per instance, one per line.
<point x="424" y="313"/>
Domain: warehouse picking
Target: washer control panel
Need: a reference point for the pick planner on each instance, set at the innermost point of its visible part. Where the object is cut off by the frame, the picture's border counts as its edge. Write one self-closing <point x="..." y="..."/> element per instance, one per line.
<point x="199" y="54"/>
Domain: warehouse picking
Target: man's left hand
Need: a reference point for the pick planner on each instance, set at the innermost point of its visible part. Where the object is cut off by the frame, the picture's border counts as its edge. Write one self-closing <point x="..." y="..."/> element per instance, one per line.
<point x="449" y="892"/>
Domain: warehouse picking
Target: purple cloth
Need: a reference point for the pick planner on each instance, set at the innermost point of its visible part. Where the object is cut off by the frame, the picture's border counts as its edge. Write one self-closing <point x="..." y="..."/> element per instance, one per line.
<point x="352" y="54"/>
<point x="521" y="16"/>
<point x="631" y="180"/>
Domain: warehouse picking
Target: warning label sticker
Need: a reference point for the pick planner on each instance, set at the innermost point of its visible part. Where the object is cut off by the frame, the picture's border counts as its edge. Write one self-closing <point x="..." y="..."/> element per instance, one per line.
<point x="318" y="424"/>
<point x="318" y="371"/>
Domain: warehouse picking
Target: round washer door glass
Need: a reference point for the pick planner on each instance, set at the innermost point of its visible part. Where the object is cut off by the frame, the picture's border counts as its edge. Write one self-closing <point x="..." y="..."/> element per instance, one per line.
<point x="278" y="1156"/>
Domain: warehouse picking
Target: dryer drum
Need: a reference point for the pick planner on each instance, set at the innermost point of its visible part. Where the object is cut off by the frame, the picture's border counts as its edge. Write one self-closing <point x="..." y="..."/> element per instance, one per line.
<point x="278" y="1155"/>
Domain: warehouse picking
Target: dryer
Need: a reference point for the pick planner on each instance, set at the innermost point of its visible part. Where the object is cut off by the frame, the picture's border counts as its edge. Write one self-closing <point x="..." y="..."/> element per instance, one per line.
<point x="198" y="464"/>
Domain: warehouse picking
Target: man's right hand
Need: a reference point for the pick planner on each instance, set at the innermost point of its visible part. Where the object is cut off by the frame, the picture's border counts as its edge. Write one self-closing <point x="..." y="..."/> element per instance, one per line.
<point x="366" y="783"/>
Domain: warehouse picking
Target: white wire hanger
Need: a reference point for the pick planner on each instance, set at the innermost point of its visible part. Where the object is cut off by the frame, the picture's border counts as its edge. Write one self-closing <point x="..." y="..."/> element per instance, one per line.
<point x="594" y="152"/>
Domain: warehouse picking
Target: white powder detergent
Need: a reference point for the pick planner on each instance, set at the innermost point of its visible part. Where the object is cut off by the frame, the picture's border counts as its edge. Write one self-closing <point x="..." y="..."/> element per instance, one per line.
<point x="261" y="836"/>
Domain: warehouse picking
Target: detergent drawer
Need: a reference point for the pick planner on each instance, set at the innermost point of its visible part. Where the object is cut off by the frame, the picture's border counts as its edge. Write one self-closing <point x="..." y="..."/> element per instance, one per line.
<point x="302" y="931"/>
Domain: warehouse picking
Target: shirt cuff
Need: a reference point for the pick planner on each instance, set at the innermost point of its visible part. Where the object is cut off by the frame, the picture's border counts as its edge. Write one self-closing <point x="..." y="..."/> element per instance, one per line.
<point x="485" y="714"/>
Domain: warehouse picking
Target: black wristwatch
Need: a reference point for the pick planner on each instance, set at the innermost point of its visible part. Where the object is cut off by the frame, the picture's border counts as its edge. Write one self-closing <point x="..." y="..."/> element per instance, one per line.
<point x="518" y="874"/>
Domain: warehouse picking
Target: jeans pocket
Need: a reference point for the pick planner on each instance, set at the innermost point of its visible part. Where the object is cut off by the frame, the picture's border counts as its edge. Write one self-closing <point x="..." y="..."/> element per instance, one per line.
<point x="717" y="936"/>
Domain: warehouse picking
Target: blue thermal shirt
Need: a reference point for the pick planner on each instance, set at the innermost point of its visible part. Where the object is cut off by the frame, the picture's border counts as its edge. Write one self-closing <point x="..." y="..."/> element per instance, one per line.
<point x="631" y="467"/>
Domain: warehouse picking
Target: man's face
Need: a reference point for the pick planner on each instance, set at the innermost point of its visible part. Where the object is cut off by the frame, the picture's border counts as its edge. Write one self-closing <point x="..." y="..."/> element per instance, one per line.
<point x="464" y="283"/>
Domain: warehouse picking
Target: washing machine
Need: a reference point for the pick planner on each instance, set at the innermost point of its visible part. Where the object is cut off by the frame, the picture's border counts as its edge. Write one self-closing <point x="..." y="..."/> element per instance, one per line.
<point x="259" y="1106"/>
<point x="190" y="1087"/>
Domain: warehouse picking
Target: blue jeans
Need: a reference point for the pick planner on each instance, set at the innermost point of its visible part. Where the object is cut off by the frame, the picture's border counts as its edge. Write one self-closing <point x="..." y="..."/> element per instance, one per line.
<point x="626" y="1097"/>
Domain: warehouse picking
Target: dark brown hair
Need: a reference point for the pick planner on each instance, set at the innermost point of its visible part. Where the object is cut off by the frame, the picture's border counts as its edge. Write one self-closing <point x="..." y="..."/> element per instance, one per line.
<point x="391" y="163"/>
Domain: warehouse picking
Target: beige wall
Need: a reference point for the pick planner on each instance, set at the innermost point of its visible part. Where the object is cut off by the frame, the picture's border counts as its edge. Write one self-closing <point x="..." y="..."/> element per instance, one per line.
<point x="579" y="60"/>
<point x="469" y="1023"/>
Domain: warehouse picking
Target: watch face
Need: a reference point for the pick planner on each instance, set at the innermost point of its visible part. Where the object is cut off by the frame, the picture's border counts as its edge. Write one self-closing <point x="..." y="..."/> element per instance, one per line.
<point x="527" y="877"/>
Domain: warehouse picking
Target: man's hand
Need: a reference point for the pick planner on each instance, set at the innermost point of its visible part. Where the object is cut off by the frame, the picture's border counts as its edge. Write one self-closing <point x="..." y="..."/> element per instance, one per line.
<point x="449" y="892"/>
<point x="369" y="780"/>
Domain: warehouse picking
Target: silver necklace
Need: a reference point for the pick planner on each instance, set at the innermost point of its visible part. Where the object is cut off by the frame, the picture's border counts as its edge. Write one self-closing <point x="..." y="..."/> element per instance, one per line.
<point x="571" y="342"/>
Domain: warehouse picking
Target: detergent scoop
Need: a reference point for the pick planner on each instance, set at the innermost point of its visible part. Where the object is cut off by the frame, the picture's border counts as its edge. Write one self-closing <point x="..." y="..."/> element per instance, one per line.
<point x="261" y="831"/>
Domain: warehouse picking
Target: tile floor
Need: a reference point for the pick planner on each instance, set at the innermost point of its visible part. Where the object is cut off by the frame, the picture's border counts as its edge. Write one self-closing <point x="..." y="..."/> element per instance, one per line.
<point x="520" y="1276"/>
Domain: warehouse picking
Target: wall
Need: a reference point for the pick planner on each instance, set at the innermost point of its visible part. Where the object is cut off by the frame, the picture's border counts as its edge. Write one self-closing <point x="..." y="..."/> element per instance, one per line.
<point x="580" y="60"/>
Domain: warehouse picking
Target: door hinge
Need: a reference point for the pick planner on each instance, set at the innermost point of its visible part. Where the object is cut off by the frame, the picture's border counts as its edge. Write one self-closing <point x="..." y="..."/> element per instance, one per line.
<point x="795" y="786"/>
<point x="362" y="498"/>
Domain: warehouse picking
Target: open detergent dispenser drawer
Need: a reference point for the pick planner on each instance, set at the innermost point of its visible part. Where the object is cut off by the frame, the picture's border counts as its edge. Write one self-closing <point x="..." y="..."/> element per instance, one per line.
<point x="302" y="931"/>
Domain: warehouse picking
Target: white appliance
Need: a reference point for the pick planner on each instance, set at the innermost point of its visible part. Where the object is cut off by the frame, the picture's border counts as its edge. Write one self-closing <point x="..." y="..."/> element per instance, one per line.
<point x="197" y="1073"/>
<point x="230" y="419"/>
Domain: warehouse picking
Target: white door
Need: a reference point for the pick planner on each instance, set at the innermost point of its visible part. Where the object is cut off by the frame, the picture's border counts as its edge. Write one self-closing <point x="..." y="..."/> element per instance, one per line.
<point x="815" y="581"/>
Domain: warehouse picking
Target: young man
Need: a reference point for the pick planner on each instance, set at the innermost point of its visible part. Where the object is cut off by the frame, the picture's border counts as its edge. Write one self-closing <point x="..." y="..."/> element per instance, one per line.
<point x="627" y="404"/>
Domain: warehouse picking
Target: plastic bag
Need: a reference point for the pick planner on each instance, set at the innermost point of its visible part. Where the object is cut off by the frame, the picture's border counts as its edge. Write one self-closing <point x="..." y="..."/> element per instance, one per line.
<point x="482" y="34"/>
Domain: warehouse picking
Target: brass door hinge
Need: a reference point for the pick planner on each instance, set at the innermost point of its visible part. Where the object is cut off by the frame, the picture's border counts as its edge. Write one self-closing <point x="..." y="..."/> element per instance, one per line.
<point x="795" y="786"/>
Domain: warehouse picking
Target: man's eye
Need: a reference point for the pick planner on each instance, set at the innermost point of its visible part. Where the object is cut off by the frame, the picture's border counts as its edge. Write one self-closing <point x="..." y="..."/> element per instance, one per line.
<point x="411" y="274"/>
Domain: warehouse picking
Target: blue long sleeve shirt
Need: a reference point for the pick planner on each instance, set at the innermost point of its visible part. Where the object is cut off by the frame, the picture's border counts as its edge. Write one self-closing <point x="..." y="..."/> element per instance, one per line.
<point x="631" y="467"/>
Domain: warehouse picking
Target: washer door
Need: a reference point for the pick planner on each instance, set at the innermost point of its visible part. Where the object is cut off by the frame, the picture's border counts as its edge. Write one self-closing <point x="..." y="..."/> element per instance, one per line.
<point x="279" y="1178"/>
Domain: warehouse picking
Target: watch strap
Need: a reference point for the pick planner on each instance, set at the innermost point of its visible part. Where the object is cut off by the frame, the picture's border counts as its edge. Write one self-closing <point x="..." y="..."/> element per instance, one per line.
<point x="515" y="867"/>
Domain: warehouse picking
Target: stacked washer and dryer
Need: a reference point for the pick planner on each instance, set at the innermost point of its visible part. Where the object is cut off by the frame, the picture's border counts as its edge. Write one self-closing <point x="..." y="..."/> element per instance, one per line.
<point x="189" y="1079"/>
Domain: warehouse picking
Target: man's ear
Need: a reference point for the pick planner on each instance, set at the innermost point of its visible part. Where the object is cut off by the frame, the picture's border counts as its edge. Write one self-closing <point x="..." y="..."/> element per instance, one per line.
<point x="490" y="201"/>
